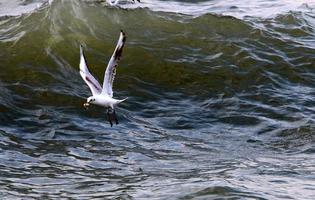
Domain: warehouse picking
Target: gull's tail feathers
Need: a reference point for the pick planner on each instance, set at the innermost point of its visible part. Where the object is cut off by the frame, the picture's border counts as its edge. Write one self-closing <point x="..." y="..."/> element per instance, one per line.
<point x="119" y="101"/>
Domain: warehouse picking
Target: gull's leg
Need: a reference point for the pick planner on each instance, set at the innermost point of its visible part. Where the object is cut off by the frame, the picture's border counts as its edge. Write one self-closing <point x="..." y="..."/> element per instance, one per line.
<point x="115" y="116"/>
<point x="109" y="118"/>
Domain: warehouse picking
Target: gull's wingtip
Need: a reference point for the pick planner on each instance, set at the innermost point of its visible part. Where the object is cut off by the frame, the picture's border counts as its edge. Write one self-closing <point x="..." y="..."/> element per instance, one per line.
<point x="122" y="33"/>
<point x="81" y="49"/>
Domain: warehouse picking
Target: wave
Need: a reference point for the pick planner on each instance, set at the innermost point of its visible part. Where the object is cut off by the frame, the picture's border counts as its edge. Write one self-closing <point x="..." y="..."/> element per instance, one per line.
<point x="17" y="8"/>
<point x="218" y="106"/>
<point x="231" y="62"/>
<point x="239" y="9"/>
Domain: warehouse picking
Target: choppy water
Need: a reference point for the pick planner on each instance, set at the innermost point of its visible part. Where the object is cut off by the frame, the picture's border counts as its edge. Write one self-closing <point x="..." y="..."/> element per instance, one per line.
<point x="221" y="100"/>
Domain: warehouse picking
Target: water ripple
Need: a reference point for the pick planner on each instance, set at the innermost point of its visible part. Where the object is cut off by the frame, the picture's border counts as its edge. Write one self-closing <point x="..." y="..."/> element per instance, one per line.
<point x="218" y="107"/>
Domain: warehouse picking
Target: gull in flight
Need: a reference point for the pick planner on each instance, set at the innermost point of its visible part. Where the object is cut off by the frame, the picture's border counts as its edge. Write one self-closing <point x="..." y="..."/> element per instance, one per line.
<point x="115" y="2"/>
<point x="103" y="96"/>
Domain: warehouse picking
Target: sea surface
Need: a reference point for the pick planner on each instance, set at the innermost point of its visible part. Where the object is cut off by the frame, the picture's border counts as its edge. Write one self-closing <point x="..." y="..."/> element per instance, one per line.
<point x="221" y="100"/>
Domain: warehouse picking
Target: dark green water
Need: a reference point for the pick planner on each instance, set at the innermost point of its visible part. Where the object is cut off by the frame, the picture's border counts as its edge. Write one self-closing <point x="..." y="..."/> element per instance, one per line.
<point x="219" y="107"/>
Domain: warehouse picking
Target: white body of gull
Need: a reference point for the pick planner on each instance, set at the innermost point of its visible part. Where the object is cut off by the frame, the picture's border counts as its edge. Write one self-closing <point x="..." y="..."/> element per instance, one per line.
<point x="116" y="2"/>
<point x="103" y="96"/>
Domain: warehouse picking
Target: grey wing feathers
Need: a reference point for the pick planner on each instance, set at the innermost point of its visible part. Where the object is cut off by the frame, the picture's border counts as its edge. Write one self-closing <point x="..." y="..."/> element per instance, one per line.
<point x="93" y="84"/>
<point x="112" y="64"/>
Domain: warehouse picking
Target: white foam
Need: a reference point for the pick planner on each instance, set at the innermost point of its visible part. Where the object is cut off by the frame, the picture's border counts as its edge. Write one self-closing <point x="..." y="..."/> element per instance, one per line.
<point x="17" y="7"/>
<point x="236" y="8"/>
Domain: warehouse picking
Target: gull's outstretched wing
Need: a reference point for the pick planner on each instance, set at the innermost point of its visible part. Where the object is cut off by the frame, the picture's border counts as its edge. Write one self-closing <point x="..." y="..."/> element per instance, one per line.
<point x="112" y="64"/>
<point x="93" y="84"/>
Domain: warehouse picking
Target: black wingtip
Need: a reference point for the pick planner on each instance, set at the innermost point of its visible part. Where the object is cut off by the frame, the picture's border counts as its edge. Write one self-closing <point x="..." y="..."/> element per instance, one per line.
<point x="123" y="33"/>
<point x="81" y="49"/>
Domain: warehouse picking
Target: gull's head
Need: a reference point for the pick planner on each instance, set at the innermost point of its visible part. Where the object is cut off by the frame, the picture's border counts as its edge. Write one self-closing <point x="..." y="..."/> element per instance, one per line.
<point x="90" y="100"/>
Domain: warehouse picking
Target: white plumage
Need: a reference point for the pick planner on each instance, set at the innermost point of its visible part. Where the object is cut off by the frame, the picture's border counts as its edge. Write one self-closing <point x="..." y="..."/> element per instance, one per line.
<point x="103" y="96"/>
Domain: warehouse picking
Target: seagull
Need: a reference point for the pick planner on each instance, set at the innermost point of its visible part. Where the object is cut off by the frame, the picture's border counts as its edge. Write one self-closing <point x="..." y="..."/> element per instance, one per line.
<point x="115" y="2"/>
<point x="103" y="96"/>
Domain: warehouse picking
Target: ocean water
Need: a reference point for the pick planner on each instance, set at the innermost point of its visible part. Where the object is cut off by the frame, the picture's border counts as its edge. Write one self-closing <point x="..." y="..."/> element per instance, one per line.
<point x="221" y="100"/>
